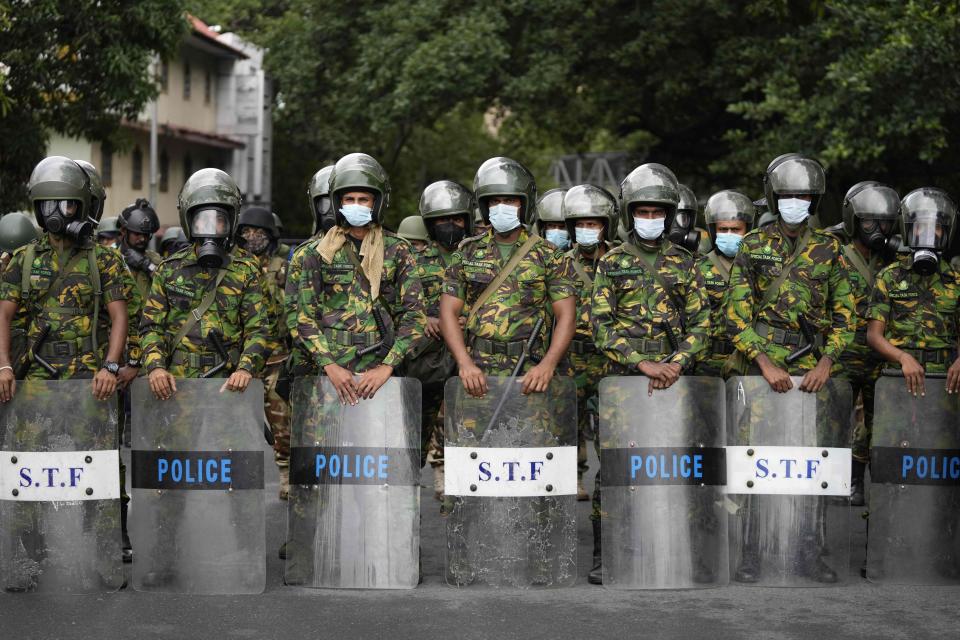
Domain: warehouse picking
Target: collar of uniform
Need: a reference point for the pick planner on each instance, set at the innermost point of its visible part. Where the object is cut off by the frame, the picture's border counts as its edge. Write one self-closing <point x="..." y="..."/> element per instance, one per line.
<point x="44" y="244"/>
<point x="191" y="257"/>
<point x="492" y="239"/>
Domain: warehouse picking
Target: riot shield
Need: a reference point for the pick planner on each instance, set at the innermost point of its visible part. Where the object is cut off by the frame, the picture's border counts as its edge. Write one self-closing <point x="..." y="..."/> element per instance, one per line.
<point x="197" y="510"/>
<point x="914" y="485"/>
<point x="59" y="490"/>
<point x="511" y="473"/>
<point x="788" y="474"/>
<point x="662" y="466"/>
<point x="354" y="507"/>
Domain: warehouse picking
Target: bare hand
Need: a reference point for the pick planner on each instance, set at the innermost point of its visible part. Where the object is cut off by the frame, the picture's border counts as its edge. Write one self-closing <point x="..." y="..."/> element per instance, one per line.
<point x="237" y="381"/>
<point x="913" y="374"/>
<point x="370" y="381"/>
<point x="342" y="381"/>
<point x="463" y="322"/>
<point x="662" y="375"/>
<point x="814" y="379"/>
<point x="432" y="328"/>
<point x="104" y="384"/>
<point x="126" y="376"/>
<point x="537" y="379"/>
<point x="473" y="380"/>
<point x="778" y="379"/>
<point x="162" y="384"/>
<point x="953" y="377"/>
<point x="8" y="385"/>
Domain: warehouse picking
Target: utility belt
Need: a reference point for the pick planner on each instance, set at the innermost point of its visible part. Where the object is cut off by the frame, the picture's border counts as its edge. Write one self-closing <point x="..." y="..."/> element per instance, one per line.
<point x="785" y="337"/>
<point x="650" y="347"/>
<point x="203" y="360"/>
<point x="60" y="349"/>
<point x="512" y="348"/>
<point x="721" y="347"/>
<point x="350" y="338"/>
<point x="944" y="356"/>
<point x="582" y="347"/>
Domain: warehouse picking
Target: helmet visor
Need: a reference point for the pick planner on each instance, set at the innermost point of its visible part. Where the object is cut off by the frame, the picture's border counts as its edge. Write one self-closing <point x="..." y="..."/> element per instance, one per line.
<point x="210" y="223"/>
<point x="68" y="208"/>
<point x="927" y="229"/>
<point x="798" y="176"/>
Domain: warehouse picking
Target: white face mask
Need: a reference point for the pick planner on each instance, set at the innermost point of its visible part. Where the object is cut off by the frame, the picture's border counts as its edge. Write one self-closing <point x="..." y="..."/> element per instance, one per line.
<point x="504" y="217"/>
<point x="558" y="238"/>
<point x="357" y="215"/>
<point x="793" y="210"/>
<point x="649" y="229"/>
<point x="587" y="238"/>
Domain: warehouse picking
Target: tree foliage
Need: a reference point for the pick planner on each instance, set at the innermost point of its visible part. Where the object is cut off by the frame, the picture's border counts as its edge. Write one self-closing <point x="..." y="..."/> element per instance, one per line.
<point x="77" y="68"/>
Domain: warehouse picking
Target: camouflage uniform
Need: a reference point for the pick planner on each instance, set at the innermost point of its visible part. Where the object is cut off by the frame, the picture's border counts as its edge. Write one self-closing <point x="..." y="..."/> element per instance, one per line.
<point x="335" y="312"/>
<point x="715" y="270"/>
<point x="239" y="314"/>
<point x="505" y="321"/>
<point x="920" y="312"/>
<point x="277" y="410"/>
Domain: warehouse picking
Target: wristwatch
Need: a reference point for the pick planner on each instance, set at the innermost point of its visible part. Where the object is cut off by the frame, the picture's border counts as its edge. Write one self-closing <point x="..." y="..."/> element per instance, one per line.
<point x="112" y="367"/>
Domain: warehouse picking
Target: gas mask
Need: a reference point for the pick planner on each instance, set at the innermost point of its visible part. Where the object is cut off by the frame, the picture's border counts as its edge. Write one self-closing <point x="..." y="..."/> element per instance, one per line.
<point x="872" y="235"/>
<point x="682" y="233"/>
<point x="65" y="218"/>
<point x="210" y="232"/>
<point x="927" y="235"/>
<point x="326" y="217"/>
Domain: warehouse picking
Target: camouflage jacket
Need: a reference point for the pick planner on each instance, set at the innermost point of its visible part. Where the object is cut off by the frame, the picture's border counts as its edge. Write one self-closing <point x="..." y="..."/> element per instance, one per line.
<point x="858" y="359"/>
<point x="335" y="299"/>
<point x="920" y="312"/>
<point x="717" y="280"/>
<point x="238" y="313"/>
<point x="631" y="309"/>
<point x="542" y="277"/>
<point x="69" y="310"/>
<point x="291" y="306"/>
<point x="585" y="271"/>
<point x="432" y="263"/>
<point x="273" y="273"/>
<point x="818" y="287"/>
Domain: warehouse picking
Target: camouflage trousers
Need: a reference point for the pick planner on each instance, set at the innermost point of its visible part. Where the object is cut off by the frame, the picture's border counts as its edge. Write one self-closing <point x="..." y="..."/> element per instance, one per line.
<point x="588" y="371"/>
<point x="277" y="411"/>
<point x="431" y="426"/>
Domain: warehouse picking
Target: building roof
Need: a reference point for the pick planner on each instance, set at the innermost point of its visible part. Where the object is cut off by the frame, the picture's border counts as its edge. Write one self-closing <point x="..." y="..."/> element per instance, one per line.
<point x="187" y="134"/>
<point x="208" y="40"/>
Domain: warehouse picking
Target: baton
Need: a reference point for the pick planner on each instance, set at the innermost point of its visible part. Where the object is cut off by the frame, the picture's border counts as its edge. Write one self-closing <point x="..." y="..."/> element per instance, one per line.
<point x="35" y="356"/>
<point x="528" y="345"/>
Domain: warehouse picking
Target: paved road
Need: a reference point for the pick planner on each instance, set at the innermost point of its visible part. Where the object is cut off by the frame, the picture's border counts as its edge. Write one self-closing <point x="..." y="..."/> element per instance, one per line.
<point x="858" y="610"/>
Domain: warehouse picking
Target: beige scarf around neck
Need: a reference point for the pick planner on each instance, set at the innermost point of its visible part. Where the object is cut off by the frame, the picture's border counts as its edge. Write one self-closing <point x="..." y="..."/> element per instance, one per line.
<point x="371" y="253"/>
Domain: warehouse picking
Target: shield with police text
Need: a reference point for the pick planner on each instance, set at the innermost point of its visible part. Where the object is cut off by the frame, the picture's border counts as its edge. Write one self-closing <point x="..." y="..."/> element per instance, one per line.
<point x="59" y="490"/>
<point x="913" y="533"/>
<point x="510" y="471"/>
<point x="354" y="507"/>
<point x="197" y="514"/>
<point x="662" y="466"/>
<point x="788" y="482"/>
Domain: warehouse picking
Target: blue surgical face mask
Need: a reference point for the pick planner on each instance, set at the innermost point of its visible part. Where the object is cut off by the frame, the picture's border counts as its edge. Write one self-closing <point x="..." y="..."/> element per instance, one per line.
<point x="729" y="243"/>
<point x="559" y="238"/>
<point x="793" y="210"/>
<point x="649" y="229"/>
<point x="357" y="215"/>
<point x="504" y="217"/>
<point x="587" y="238"/>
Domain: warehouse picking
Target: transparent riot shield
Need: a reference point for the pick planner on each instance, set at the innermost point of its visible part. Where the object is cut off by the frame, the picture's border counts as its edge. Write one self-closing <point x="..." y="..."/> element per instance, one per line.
<point x="354" y="507"/>
<point x="914" y="485"/>
<point x="788" y="476"/>
<point x="510" y="471"/>
<point x="197" y="510"/>
<point x="59" y="490"/>
<point x="662" y="466"/>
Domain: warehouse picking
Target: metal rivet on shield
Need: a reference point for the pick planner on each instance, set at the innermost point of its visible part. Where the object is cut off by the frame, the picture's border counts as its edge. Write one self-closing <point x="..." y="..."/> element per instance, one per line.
<point x="633" y="444"/>
<point x="473" y="487"/>
<point x="823" y="485"/>
<point x="549" y="487"/>
<point x="473" y="455"/>
<point x="16" y="492"/>
<point x="749" y="484"/>
<point x="904" y="444"/>
<point x="825" y="453"/>
<point x="88" y="459"/>
<point x="89" y="491"/>
<point x="13" y="459"/>
<point x="749" y="452"/>
<point x="549" y="456"/>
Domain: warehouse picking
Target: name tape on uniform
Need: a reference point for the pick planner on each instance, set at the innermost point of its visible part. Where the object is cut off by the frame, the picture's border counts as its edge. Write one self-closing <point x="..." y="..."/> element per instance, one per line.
<point x="59" y="476"/>
<point x="354" y="465"/>
<point x="635" y="466"/>
<point x="801" y="471"/>
<point x="902" y="465"/>
<point x="510" y="472"/>
<point x="197" y="470"/>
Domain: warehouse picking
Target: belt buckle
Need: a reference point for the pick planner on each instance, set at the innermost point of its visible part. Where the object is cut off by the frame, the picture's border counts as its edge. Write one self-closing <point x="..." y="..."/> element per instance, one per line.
<point x="61" y="349"/>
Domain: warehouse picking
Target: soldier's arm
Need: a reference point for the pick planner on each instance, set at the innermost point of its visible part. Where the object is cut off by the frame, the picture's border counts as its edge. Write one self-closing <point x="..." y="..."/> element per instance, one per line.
<point x="153" y="322"/>
<point x="256" y="324"/>
<point x="740" y="307"/>
<point x="603" y="308"/>
<point x="134" y="309"/>
<point x="843" y="312"/>
<point x="697" y="312"/>
<point x="309" y="332"/>
<point x="291" y="291"/>
<point x="563" y="292"/>
<point x="409" y="304"/>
